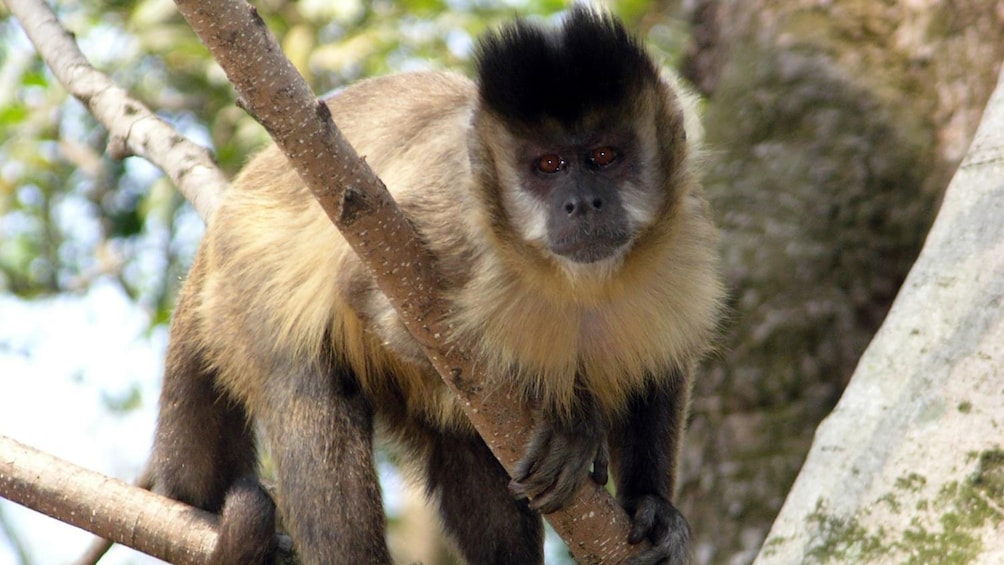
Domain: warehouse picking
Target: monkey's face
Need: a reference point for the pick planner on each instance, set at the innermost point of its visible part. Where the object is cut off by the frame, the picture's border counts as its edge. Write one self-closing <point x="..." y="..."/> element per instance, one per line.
<point x="566" y="119"/>
<point x="580" y="196"/>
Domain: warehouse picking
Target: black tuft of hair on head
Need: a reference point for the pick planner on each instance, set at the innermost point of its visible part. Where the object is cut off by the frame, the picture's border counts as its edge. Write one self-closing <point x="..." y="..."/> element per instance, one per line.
<point x="528" y="73"/>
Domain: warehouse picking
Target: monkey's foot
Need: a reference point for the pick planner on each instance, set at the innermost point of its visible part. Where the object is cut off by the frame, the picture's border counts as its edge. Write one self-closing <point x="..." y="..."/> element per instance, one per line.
<point x="656" y="519"/>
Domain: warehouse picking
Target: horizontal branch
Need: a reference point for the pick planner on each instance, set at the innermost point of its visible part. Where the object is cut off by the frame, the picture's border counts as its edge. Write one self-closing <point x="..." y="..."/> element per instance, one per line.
<point x="107" y="507"/>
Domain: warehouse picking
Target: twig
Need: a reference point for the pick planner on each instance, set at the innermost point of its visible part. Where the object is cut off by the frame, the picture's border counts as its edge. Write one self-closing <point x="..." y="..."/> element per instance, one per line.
<point x="133" y="128"/>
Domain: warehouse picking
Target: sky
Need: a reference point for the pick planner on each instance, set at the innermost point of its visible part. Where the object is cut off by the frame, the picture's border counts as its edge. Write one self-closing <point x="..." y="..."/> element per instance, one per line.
<point x="66" y="363"/>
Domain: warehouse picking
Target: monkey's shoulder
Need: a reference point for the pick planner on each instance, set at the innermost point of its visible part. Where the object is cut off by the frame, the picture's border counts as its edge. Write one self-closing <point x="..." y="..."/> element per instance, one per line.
<point x="411" y="129"/>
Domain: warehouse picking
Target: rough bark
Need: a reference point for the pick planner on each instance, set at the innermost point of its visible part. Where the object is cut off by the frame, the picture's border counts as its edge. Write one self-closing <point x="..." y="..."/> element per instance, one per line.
<point x="833" y="128"/>
<point x="909" y="467"/>
<point x="108" y="507"/>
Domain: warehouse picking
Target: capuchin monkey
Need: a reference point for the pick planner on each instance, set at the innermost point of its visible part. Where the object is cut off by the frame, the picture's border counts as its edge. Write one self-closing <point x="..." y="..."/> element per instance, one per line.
<point x="558" y="196"/>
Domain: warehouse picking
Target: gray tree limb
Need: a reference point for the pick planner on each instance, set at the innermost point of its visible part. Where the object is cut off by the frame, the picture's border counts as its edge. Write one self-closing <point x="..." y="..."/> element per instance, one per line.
<point x="910" y="464"/>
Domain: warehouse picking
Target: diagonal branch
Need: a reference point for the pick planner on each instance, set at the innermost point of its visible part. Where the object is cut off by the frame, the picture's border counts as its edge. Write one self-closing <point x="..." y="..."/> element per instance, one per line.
<point x="593" y="525"/>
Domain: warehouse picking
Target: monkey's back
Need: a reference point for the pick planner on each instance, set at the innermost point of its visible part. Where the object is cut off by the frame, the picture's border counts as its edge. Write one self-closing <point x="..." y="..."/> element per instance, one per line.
<point x="275" y="280"/>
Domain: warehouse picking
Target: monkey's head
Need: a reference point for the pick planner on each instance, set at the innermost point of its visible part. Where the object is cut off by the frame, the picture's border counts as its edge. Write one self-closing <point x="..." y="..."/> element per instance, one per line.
<point x="578" y="140"/>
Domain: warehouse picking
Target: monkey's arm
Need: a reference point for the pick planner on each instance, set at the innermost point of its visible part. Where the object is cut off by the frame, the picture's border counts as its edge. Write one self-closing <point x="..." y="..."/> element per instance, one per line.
<point x="645" y="448"/>
<point x="561" y="453"/>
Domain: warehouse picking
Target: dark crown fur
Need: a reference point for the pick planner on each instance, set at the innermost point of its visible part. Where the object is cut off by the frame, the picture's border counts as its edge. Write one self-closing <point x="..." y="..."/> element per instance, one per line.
<point x="528" y="73"/>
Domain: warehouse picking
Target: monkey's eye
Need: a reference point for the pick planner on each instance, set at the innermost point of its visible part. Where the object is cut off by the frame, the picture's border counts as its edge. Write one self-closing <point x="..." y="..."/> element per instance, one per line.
<point x="603" y="156"/>
<point x="550" y="164"/>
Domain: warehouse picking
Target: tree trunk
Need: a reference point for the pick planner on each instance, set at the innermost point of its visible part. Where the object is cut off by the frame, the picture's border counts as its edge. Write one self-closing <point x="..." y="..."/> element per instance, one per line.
<point x="833" y="128"/>
<point x="910" y="465"/>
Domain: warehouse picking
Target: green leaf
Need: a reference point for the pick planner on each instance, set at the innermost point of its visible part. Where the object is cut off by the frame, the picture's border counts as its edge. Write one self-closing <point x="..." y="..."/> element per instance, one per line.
<point x="35" y="78"/>
<point x="13" y="114"/>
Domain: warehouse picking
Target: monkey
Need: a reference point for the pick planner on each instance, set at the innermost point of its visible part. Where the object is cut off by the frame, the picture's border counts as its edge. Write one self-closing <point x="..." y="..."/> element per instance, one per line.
<point x="558" y="192"/>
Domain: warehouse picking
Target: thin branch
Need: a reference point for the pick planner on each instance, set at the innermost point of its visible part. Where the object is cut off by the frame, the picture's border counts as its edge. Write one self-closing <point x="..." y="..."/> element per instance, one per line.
<point x="133" y="128"/>
<point x="358" y="203"/>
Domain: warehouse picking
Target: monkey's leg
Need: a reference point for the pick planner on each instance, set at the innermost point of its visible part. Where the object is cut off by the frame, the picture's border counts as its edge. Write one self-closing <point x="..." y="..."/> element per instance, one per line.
<point x="203" y="442"/>
<point x="204" y="446"/>
<point x="644" y="449"/>
<point x="320" y="428"/>
<point x="488" y="524"/>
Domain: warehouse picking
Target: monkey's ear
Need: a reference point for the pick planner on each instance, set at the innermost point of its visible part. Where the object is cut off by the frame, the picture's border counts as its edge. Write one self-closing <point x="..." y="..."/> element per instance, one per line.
<point x="591" y="63"/>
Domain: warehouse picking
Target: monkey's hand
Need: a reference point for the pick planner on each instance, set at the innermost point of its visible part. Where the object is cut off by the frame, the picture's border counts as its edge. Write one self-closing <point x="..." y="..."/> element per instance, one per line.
<point x="656" y="519"/>
<point x="558" y="460"/>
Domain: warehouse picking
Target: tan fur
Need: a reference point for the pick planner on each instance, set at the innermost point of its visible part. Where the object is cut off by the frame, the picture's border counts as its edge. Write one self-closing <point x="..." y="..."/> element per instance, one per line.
<point x="276" y="269"/>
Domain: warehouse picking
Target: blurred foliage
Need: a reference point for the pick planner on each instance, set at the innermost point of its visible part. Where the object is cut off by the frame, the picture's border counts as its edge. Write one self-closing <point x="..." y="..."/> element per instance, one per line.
<point x="69" y="215"/>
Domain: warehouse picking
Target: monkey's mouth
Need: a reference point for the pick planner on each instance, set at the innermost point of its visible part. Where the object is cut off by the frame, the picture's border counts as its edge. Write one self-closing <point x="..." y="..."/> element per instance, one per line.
<point x="590" y="246"/>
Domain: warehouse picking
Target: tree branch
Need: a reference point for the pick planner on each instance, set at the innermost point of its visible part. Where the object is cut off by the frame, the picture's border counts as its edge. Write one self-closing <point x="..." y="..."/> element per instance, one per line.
<point x="118" y="512"/>
<point x="918" y="427"/>
<point x="133" y="128"/>
<point x="100" y="546"/>
<point x="153" y="524"/>
<point x="594" y="526"/>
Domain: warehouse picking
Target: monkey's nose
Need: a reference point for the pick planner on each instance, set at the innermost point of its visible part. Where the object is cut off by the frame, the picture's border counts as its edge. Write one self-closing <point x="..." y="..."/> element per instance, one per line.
<point x="576" y="205"/>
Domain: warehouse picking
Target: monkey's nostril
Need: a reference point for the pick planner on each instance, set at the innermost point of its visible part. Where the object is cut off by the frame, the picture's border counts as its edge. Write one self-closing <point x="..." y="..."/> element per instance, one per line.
<point x="597" y="204"/>
<point x="569" y="207"/>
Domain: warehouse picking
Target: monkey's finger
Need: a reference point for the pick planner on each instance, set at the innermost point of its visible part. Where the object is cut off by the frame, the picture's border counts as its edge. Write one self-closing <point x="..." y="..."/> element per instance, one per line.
<point x="518" y="490"/>
<point x="528" y="479"/>
<point x="563" y="455"/>
<point x="540" y="479"/>
<point x="522" y="470"/>
<point x="564" y="473"/>
<point x="531" y="489"/>
<point x="560" y="491"/>
<point x="533" y="458"/>
<point x="670" y="544"/>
